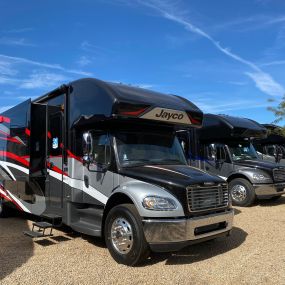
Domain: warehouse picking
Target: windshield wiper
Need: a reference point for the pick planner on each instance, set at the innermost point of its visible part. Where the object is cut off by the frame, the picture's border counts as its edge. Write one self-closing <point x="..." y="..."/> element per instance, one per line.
<point x="166" y="161"/>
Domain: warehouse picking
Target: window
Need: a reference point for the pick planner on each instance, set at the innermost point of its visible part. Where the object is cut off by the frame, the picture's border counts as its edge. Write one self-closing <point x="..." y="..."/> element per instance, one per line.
<point x="210" y="152"/>
<point x="271" y="150"/>
<point x="148" y="148"/>
<point x="242" y="151"/>
<point x="96" y="147"/>
<point x="55" y="140"/>
<point x="101" y="144"/>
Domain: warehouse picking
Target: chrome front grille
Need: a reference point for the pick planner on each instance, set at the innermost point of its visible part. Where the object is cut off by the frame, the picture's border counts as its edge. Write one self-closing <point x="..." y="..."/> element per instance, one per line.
<point x="279" y="174"/>
<point x="203" y="198"/>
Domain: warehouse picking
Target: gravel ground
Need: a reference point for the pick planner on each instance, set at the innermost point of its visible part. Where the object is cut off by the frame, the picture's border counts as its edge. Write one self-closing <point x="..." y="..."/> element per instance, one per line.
<point x="253" y="254"/>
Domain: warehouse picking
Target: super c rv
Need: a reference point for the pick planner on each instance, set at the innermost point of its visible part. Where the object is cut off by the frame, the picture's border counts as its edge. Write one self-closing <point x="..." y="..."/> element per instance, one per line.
<point x="105" y="158"/>
<point x="225" y="149"/>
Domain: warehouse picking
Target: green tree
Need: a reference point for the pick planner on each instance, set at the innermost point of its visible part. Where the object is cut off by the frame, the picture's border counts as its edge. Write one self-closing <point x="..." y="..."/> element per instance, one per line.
<point x="279" y="113"/>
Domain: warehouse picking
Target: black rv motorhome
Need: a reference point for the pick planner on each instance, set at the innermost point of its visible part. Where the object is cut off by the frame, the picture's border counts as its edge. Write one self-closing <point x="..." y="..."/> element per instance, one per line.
<point x="104" y="159"/>
<point x="271" y="148"/>
<point x="225" y="149"/>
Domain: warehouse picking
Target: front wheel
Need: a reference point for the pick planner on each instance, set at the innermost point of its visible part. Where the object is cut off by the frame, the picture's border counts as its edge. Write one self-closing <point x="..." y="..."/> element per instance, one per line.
<point x="124" y="235"/>
<point x="242" y="192"/>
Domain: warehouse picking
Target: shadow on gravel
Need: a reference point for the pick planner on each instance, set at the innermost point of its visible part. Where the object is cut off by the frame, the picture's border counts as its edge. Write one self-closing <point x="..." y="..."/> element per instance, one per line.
<point x="271" y="203"/>
<point x="202" y="251"/>
<point x="236" y="211"/>
<point x="96" y="241"/>
<point x="15" y="248"/>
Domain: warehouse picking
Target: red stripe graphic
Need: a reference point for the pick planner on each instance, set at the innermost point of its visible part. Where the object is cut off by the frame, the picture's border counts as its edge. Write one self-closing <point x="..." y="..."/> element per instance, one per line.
<point x="4" y="119"/>
<point x="9" y="199"/>
<point x="14" y="157"/>
<point x="27" y="132"/>
<point x="71" y="155"/>
<point x="56" y="169"/>
<point x="10" y="139"/>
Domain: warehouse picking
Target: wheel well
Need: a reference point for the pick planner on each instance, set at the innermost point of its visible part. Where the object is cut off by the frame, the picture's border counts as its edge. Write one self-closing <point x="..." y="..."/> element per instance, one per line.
<point x="115" y="200"/>
<point x="234" y="176"/>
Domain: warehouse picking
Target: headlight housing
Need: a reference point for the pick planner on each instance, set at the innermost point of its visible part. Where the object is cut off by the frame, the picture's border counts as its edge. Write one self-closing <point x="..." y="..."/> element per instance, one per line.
<point x="157" y="203"/>
<point x="260" y="177"/>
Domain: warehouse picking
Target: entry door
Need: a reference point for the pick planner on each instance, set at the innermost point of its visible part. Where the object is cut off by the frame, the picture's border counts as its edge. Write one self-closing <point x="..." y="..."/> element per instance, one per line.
<point x="54" y="158"/>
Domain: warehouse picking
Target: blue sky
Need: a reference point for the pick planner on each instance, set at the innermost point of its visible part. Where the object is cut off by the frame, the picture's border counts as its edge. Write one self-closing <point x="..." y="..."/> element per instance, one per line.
<point x="226" y="56"/>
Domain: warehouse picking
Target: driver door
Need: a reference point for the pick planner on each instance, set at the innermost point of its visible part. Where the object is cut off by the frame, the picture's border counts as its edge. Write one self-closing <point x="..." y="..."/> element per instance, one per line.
<point x="98" y="182"/>
<point x="217" y="160"/>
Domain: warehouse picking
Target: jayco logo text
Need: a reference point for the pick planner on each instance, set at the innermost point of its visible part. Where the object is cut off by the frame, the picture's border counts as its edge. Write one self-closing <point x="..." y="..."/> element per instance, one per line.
<point x="168" y="116"/>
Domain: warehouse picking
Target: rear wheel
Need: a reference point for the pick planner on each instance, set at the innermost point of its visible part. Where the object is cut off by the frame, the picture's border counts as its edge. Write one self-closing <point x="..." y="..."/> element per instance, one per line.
<point x="124" y="235"/>
<point x="242" y="192"/>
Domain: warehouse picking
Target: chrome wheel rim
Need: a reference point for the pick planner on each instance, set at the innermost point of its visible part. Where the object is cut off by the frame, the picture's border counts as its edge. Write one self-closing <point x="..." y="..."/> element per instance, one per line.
<point x="239" y="193"/>
<point x="122" y="235"/>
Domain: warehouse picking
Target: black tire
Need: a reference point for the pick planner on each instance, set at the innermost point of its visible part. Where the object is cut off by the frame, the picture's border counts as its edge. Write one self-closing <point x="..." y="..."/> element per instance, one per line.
<point x="139" y="250"/>
<point x="249" y="193"/>
<point x="3" y="209"/>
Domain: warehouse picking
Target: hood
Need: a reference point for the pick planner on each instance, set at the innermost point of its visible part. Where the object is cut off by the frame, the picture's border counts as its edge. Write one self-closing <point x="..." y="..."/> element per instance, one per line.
<point x="258" y="164"/>
<point x="171" y="176"/>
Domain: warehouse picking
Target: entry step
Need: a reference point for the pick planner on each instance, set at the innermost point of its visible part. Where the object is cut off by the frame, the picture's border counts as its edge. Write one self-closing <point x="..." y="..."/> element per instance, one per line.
<point x="51" y="216"/>
<point x="33" y="234"/>
<point x="43" y="225"/>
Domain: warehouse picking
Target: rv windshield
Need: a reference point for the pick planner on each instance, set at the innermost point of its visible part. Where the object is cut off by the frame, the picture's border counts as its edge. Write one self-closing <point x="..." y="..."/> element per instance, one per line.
<point x="148" y="148"/>
<point x="242" y="151"/>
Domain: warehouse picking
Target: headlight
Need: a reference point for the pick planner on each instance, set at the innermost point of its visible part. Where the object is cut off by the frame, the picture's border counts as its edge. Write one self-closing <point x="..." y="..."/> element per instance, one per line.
<point x="260" y="177"/>
<point x="157" y="203"/>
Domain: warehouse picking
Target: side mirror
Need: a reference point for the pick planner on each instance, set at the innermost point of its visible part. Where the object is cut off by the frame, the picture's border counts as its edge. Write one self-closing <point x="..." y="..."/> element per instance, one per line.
<point x="97" y="157"/>
<point x="87" y="144"/>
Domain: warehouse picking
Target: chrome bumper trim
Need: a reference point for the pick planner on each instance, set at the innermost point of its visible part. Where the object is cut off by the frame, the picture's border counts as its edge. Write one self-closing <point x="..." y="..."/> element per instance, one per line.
<point x="170" y="230"/>
<point x="269" y="189"/>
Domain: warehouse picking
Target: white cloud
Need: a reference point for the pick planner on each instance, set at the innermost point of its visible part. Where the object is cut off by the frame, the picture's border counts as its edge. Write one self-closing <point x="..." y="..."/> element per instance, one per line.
<point x="87" y="46"/>
<point x="21" y="60"/>
<point x="171" y="12"/>
<point x="276" y="62"/>
<point x="42" y="80"/>
<point x="83" y="61"/>
<point x="265" y="83"/>
<point x="209" y="106"/>
<point x="18" y="31"/>
<point x="6" y="68"/>
<point x="16" y="42"/>
<point x="36" y="80"/>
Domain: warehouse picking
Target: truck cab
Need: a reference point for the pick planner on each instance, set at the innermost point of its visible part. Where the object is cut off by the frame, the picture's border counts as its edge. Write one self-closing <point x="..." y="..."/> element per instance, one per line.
<point x="225" y="149"/>
<point x="105" y="158"/>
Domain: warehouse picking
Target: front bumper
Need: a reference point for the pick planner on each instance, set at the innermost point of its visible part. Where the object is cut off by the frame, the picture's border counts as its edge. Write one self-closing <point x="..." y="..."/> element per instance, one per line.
<point x="269" y="190"/>
<point x="174" y="234"/>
